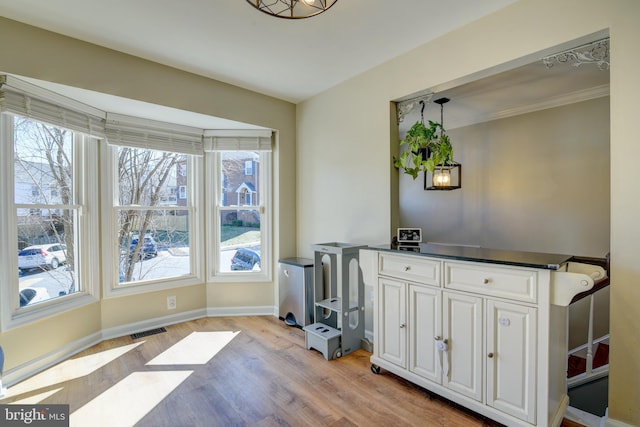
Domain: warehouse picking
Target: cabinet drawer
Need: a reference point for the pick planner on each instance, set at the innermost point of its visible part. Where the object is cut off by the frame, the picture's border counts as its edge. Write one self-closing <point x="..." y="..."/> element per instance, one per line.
<point x="412" y="268"/>
<point x="515" y="284"/>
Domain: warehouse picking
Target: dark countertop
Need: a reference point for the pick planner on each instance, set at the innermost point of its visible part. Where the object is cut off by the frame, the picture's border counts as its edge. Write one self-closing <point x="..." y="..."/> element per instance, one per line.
<point x="490" y="256"/>
<point x="300" y="262"/>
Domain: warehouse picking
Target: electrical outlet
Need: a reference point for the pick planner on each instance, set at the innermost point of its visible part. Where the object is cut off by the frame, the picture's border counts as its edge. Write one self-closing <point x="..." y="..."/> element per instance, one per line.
<point x="171" y="303"/>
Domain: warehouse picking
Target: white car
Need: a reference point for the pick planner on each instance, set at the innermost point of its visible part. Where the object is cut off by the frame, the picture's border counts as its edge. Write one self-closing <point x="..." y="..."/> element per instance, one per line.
<point x="33" y="295"/>
<point x="42" y="256"/>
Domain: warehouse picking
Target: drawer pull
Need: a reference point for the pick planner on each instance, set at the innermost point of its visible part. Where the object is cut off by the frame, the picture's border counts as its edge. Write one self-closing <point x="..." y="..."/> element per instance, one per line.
<point x="402" y="325"/>
<point x="407" y="267"/>
<point x="490" y="355"/>
<point x="486" y="281"/>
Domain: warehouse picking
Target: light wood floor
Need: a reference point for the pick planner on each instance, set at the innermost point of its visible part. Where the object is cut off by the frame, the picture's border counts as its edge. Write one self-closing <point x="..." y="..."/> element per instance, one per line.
<point x="263" y="376"/>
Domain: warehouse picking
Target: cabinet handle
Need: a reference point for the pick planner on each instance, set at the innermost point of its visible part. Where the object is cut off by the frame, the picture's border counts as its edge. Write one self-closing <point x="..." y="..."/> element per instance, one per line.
<point x="402" y="325"/>
<point x="490" y="355"/>
<point x="486" y="281"/>
<point x="407" y="267"/>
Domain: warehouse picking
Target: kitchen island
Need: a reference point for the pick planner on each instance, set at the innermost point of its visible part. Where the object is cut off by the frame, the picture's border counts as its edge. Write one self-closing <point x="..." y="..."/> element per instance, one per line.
<point x="484" y="328"/>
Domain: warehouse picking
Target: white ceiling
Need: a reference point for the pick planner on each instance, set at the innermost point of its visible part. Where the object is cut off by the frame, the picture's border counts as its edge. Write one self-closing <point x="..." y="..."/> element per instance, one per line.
<point x="230" y="41"/>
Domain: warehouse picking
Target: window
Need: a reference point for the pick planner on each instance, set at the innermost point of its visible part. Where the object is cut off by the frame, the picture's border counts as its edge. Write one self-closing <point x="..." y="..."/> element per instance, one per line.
<point x="248" y="167"/>
<point x="53" y="191"/>
<point x="153" y="243"/>
<point x="45" y="225"/>
<point x="154" y="239"/>
<point x="241" y="208"/>
<point x="41" y="154"/>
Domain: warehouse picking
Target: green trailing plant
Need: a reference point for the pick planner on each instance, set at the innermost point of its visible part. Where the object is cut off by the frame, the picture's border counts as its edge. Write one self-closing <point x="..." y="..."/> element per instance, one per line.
<point x="426" y="148"/>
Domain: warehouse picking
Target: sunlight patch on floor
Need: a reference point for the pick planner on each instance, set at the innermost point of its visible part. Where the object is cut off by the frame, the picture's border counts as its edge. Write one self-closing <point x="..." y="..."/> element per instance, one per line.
<point x="70" y="369"/>
<point x="36" y="398"/>
<point x="195" y="349"/>
<point x="130" y="400"/>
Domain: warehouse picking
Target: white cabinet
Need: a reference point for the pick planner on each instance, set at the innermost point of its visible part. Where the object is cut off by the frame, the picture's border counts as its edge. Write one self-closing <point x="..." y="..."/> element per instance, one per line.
<point x="424" y="328"/>
<point x="484" y="335"/>
<point x="463" y="334"/>
<point x="511" y="353"/>
<point x="392" y="329"/>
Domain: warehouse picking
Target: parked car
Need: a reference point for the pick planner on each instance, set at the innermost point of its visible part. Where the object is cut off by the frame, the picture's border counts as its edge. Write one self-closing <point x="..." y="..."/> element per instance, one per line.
<point x="42" y="256"/>
<point x="245" y="259"/>
<point x="149" y="247"/>
<point x="33" y="295"/>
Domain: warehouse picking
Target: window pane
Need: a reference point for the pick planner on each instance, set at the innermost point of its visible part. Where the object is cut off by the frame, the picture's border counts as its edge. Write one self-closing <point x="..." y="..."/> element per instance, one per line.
<point x="240" y="185"/>
<point x="163" y="250"/>
<point x="151" y="177"/>
<point x="240" y="239"/>
<point x="46" y="256"/>
<point x="153" y="219"/>
<point x="43" y="167"/>
<point x="47" y="234"/>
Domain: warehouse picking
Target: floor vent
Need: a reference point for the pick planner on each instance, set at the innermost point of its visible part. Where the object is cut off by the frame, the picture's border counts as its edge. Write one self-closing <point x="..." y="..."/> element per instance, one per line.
<point x="147" y="333"/>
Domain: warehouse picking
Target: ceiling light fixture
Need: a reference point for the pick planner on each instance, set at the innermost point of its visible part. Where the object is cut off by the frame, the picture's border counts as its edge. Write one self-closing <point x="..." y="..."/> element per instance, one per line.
<point x="446" y="175"/>
<point x="292" y="9"/>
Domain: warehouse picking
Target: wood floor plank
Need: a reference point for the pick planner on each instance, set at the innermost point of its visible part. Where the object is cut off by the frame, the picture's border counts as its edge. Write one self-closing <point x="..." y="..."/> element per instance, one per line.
<point x="263" y="377"/>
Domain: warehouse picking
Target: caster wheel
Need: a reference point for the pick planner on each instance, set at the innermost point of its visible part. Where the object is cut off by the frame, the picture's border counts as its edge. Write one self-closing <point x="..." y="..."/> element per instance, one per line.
<point x="337" y="354"/>
<point x="375" y="369"/>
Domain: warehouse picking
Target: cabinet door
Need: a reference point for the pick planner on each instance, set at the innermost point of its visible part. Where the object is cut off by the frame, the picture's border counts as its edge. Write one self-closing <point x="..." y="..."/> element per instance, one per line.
<point x="424" y="327"/>
<point x="511" y="359"/>
<point x="392" y="321"/>
<point x="462" y="328"/>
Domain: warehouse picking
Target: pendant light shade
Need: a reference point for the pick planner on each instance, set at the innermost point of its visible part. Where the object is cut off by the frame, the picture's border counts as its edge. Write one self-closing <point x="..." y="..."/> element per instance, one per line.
<point x="292" y="9"/>
<point x="448" y="174"/>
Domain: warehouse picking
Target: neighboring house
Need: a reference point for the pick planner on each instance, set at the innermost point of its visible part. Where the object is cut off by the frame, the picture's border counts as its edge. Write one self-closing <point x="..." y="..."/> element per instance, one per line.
<point x="36" y="185"/>
<point x="240" y="185"/>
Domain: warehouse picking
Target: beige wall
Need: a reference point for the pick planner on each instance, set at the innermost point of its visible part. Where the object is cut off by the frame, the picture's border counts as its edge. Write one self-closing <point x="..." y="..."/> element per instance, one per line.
<point x="535" y="182"/>
<point x="343" y="145"/>
<point x="30" y="52"/>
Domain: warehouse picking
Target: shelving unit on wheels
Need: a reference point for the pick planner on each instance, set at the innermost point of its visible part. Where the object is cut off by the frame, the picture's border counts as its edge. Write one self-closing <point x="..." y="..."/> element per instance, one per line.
<point x="338" y="300"/>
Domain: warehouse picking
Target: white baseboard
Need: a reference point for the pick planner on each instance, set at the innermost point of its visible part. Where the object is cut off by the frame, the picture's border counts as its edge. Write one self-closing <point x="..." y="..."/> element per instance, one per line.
<point x="585" y="418"/>
<point x="615" y="423"/>
<point x="32" y="367"/>
<point x="242" y="311"/>
<point x="145" y="325"/>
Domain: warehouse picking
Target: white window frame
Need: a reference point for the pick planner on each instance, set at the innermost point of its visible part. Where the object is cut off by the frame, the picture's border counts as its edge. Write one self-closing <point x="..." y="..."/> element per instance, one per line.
<point x="241" y="141"/>
<point x="86" y="196"/>
<point x="110" y="202"/>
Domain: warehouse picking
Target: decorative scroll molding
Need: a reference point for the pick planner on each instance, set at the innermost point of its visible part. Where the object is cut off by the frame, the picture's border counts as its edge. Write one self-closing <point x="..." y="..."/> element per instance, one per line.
<point x="593" y="53"/>
<point x="403" y="108"/>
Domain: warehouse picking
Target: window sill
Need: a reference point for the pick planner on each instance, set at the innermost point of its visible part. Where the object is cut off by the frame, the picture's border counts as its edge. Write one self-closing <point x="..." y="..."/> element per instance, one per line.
<point x="136" y="288"/>
<point x="47" y="309"/>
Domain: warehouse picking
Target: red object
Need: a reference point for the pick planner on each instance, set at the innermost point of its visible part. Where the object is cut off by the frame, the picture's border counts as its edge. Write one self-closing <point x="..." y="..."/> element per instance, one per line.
<point x="578" y="365"/>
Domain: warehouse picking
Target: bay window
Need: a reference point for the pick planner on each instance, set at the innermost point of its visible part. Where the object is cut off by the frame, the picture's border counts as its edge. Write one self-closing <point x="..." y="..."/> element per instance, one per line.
<point x="153" y="241"/>
<point x="239" y="211"/>
<point x="48" y="199"/>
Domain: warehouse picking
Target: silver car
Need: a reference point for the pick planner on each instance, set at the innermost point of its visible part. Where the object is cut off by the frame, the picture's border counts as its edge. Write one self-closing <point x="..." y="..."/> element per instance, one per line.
<point x="51" y="256"/>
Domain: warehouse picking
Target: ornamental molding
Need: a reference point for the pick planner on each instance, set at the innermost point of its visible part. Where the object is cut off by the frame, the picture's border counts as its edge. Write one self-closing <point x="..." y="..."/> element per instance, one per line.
<point x="596" y="52"/>
<point x="404" y="108"/>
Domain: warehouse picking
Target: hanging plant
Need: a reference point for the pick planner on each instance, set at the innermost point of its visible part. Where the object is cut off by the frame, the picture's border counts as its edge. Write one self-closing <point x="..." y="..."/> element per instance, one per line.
<point x="424" y="147"/>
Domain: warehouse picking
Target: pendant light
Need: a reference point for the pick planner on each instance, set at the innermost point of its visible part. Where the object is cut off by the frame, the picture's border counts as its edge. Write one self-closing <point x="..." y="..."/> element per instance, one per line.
<point x="448" y="174"/>
<point x="292" y="9"/>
